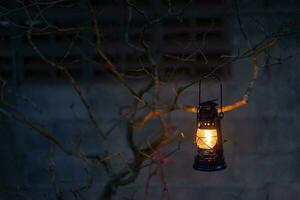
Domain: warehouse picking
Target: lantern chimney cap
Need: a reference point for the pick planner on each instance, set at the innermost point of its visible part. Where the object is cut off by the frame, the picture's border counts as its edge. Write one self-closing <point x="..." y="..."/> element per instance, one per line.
<point x="210" y="103"/>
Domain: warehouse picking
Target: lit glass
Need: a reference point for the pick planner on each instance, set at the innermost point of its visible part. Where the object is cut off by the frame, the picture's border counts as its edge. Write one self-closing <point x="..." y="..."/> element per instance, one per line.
<point x="206" y="138"/>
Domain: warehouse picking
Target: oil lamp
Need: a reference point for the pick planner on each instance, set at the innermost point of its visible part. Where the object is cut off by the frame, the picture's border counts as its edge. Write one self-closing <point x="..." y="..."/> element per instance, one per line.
<point x="209" y="136"/>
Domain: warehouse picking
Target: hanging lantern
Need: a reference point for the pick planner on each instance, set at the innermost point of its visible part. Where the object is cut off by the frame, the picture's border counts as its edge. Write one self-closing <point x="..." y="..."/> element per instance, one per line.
<point x="208" y="136"/>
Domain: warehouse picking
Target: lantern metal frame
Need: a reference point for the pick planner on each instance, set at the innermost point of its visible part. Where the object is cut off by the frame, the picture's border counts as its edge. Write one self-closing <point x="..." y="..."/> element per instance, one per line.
<point x="208" y="117"/>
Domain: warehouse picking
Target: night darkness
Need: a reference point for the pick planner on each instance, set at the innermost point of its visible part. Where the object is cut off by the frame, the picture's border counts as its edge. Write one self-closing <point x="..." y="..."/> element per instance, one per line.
<point x="149" y="99"/>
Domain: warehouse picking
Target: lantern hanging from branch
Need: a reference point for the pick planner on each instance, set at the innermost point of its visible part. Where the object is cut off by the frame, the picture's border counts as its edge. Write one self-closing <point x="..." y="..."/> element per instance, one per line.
<point x="209" y="136"/>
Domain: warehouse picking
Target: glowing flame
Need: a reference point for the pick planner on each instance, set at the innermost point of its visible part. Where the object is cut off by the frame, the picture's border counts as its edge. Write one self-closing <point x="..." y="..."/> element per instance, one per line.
<point x="206" y="138"/>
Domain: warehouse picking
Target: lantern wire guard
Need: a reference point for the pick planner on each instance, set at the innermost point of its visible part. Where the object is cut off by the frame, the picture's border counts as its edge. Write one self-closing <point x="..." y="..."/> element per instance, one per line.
<point x="208" y="135"/>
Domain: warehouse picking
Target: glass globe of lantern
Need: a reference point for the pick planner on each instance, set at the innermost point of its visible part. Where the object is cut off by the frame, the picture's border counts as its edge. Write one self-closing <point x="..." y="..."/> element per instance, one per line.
<point x="206" y="138"/>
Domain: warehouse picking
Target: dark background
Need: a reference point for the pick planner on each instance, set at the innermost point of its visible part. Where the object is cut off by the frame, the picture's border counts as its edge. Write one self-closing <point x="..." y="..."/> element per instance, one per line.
<point x="262" y="148"/>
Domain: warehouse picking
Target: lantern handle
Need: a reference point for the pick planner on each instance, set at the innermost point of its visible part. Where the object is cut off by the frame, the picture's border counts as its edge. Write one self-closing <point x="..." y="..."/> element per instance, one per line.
<point x="221" y="92"/>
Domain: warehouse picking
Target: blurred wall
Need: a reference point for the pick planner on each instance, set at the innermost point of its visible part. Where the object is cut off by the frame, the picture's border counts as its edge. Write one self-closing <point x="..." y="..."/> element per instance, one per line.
<point x="262" y="148"/>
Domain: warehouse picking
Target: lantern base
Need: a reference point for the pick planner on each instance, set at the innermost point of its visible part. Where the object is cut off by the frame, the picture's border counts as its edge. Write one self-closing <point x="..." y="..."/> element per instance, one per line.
<point x="207" y="165"/>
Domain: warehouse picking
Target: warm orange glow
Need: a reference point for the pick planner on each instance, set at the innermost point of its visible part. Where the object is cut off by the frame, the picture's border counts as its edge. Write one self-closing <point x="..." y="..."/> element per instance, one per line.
<point x="206" y="138"/>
